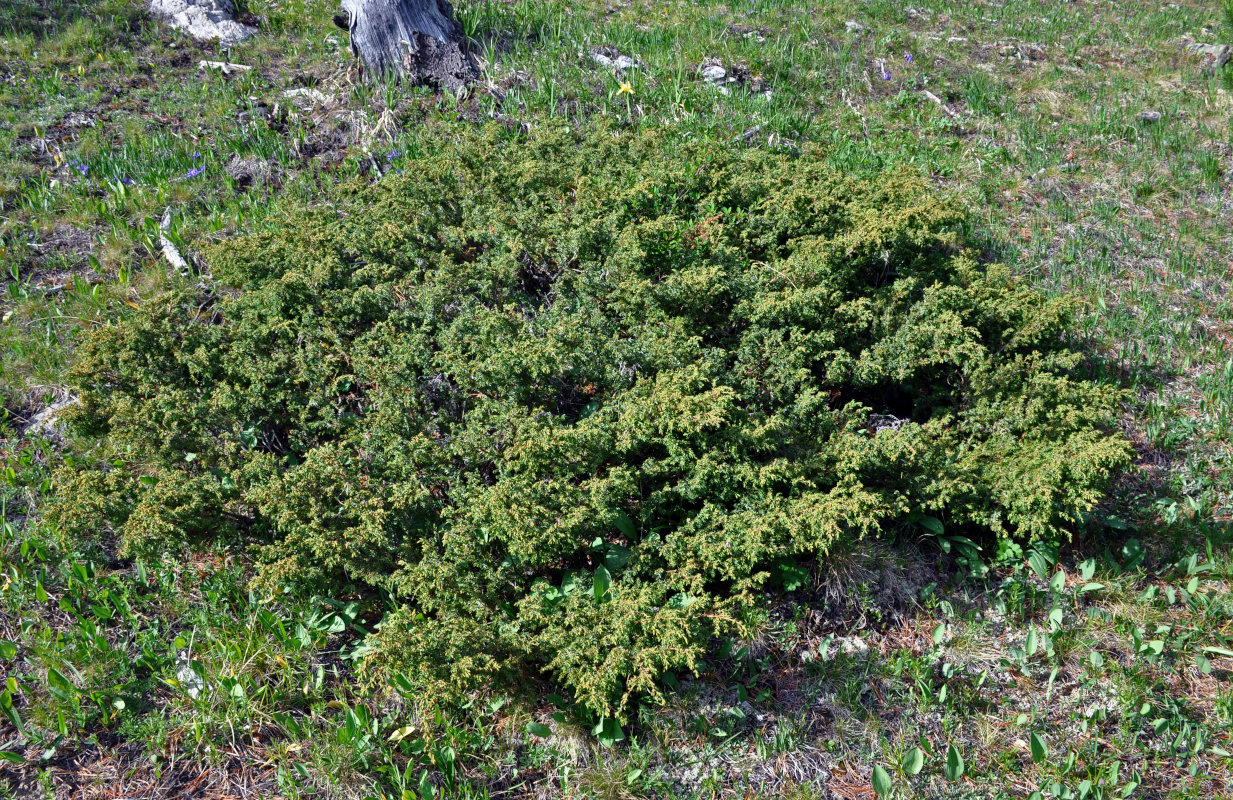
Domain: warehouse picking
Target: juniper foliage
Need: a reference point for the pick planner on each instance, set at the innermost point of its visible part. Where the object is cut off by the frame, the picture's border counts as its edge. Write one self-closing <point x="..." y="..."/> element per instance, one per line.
<point x="570" y="401"/>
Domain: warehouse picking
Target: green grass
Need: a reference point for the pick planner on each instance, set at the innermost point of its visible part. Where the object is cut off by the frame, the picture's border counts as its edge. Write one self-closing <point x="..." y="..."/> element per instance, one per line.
<point x="104" y="115"/>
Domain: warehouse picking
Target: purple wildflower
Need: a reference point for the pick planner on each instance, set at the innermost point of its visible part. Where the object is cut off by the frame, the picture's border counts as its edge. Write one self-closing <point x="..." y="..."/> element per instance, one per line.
<point x="390" y="156"/>
<point x="192" y="173"/>
<point x="908" y="57"/>
<point x="196" y="156"/>
<point x="127" y="181"/>
<point x="886" y="76"/>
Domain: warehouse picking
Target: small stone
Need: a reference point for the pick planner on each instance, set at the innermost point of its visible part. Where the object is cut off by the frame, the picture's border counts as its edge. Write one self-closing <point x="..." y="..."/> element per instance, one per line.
<point x="714" y="73"/>
<point x="854" y="27"/>
<point x="312" y="96"/>
<point x="1148" y="116"/>
<point x="614" y="59"/>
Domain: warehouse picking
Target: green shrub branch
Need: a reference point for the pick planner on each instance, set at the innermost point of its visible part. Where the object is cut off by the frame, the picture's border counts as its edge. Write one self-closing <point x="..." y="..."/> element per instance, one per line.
<point x="570" y="400"/>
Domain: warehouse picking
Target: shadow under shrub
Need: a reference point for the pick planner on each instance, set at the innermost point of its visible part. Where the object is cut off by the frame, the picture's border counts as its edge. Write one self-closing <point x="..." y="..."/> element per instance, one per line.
<point x="570" y="400"/>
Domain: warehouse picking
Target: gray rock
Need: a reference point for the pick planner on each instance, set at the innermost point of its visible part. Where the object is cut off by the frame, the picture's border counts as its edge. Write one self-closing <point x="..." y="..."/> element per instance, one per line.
<point x="853" y="26"/>
<point x="714" y="73"/>
<point x="613" y="59"/>
<point x="46" y="423"/>
<point x="204" y="20"/>
<point x="307" y="96"/>
<point x="1148" y="116"/>
<point x="1215" y="56"/>
<point x="76" y="119"/>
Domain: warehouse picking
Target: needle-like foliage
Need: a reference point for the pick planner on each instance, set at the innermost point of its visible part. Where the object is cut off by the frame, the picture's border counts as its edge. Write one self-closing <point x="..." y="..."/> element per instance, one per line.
<point x="573" y="401"/>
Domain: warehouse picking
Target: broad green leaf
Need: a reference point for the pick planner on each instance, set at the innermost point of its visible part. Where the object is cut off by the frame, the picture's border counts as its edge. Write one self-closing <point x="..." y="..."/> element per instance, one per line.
<point x="882" y="781"/>
<point x="1091" y="587"/>
<point x="933" y="525"/>
<point x="680" y="600"/>
<point x="425" y="787"/>
<point x="59" y="685"/>
<point x="625" y="525"/>
<point x="1134" y="554"/>
<point x="1030" y="645"/>
<point x="8" y="651"/>
<point x="539" y="729"/>
<point x="608" y="731"/>
<point x="603" y="579"/>
<point x="10" y="713"/>
<point x="939" y="633"/>
<point x="1038" y="564"/>
<point x="11" y="757"/>
<point x="791" y="575"/>
<point x="403" y="685"/>
<point x="1059" y="581"/>
<point x="1040" y="751"/>
<point x="616" y="557"/>
<point x="914" y="761"/>
<point x="954" y="764"/>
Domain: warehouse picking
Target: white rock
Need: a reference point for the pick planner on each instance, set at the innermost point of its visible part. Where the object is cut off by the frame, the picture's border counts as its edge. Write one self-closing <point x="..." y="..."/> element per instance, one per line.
<point x="204" y="20"/>
<point x="46" y="423"/>
<point x="313" y="96"/>
<point x="853" y="645"/>
<point x="714" y="73"/>
<point x="619" y="61"/>
<point x="854" y="26"/>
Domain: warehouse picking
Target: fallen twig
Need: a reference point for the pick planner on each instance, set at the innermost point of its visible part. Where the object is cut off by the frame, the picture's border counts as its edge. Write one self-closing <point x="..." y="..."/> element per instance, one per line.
<point x="170" y="251"/>
<point x="225" y="67"/>
<point x="938" y="101"/>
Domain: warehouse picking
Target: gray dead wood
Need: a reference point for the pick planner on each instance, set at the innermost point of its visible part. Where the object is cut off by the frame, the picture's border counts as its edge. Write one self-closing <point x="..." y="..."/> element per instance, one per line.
<point x="415" y="40"/>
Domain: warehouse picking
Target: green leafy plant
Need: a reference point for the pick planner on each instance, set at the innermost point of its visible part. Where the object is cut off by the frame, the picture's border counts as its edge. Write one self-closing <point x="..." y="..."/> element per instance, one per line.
<point x="572" y="402"/>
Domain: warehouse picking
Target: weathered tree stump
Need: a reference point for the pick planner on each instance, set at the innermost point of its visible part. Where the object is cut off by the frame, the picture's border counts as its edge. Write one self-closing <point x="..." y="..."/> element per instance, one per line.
<point x="413" y="40"/>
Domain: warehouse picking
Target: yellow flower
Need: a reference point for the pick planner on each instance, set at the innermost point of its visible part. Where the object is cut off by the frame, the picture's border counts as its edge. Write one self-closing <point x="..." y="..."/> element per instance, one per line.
<point x="625" y="88"/>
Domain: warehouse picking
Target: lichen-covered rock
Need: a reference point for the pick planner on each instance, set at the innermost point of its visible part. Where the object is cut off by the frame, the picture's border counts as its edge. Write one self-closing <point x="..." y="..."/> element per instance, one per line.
<point x="204" y="20"/>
